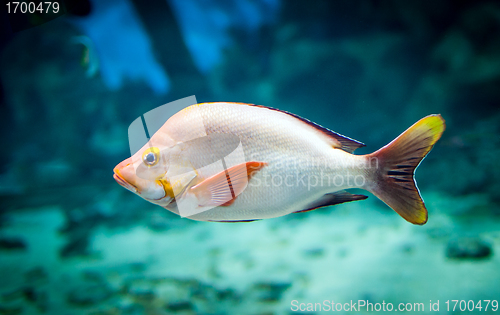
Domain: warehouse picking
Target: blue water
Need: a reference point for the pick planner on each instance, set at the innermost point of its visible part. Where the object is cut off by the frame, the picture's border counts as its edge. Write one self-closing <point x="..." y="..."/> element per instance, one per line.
<point x="72" y="241"/>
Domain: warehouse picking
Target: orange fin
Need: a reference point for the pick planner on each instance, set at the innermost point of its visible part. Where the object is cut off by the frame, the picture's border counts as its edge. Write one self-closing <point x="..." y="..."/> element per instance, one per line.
<point x="394" y="182"/>
<point x="332" y="199"/>
<point x="222" y="188"/>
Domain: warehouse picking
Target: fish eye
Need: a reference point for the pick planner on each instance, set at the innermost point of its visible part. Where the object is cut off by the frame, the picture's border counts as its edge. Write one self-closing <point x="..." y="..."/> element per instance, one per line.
<point x="151" y="156"/>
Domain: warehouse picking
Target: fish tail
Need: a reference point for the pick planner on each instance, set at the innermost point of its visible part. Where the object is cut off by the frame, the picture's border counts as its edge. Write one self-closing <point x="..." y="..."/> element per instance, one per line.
<point x="393" y="179"/>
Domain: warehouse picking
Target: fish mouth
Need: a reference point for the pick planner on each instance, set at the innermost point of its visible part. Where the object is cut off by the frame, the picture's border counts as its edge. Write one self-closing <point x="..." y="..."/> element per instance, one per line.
<point x="122" y="182"/>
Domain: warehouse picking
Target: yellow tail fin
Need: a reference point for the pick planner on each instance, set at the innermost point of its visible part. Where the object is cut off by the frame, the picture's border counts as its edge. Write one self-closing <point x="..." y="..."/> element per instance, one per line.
<point x="394" y="181"/>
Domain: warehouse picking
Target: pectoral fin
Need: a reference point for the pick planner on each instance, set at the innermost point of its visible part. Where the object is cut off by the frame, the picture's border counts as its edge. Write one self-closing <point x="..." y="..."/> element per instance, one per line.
<point x="222" y="188"/>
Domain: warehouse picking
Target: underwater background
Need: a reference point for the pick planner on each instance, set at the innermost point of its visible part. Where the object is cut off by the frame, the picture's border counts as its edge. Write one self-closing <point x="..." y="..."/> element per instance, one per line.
<point x="72" y="241"/>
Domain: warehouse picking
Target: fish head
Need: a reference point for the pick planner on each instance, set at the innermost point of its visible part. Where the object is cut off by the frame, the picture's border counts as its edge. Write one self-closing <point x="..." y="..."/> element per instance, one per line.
<point x="157" y="172"/>
<point x="145" y="174"/>
<point x="174" y="159"/>
<point x="155" y="191"/>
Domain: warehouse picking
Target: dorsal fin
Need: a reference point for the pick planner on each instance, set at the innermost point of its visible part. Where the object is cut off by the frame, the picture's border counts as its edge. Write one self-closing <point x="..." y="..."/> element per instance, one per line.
<point x="347" y="144"/>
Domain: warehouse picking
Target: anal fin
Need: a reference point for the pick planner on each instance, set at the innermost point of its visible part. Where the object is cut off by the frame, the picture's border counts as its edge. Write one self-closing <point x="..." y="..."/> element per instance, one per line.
<point x="239" y="221"/>
<point x="332" y="199"/>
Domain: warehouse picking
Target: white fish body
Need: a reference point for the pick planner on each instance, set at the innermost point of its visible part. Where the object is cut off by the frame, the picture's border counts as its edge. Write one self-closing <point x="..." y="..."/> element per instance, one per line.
<point x="298" y="166"/>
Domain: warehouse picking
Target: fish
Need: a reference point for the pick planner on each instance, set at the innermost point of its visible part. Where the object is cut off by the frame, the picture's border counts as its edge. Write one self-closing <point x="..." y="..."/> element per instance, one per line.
<point x="89" y="60"/>
<point x="251" y="162"/>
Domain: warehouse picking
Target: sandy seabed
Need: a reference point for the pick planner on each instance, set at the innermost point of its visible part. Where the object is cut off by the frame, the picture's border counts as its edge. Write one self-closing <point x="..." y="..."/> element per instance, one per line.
<point x="356" y="251"/>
